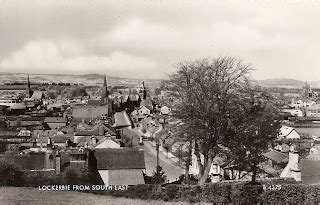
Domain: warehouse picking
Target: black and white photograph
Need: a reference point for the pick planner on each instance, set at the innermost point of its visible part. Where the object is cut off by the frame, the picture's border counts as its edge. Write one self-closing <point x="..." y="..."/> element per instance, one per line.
<point x="159" y="102"/>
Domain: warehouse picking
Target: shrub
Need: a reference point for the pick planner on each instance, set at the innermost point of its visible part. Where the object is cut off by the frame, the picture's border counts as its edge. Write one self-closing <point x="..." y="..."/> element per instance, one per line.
<point x="10" y="174"/>
<point x="223" y="193"/>
<point x="39" y="178"/>
<point x="89" y="177"/>
<point x="288" y="194"/>
<point x="171" y="192"/>
<point x="216" y="193"/>
<point x="70" y="176"/>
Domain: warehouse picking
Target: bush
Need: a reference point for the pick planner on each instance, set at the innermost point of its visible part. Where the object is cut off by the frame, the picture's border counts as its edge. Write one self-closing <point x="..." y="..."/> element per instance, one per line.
<point x="71" y="176"/>
<point x="216" y="193"/>
<point x="39" y="178"/>
<point x="10" y="174"/>
<point x="89" y="177"/>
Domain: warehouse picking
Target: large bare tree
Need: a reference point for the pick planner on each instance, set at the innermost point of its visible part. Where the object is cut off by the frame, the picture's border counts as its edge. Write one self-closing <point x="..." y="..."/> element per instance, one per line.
<point x="206" y="93"/>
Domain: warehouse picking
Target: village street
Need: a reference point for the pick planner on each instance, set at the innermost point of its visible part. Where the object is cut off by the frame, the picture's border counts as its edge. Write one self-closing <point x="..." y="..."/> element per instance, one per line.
<point x="172" y="171"/>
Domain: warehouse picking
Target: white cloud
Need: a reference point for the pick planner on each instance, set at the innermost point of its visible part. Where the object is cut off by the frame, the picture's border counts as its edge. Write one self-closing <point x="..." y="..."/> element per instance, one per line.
<point x="121" y="37"/>
<point x="53" y="57"/>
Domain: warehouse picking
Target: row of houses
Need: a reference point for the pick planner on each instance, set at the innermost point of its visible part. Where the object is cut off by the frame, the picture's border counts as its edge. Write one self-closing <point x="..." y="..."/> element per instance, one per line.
<point x="116" y="166"/>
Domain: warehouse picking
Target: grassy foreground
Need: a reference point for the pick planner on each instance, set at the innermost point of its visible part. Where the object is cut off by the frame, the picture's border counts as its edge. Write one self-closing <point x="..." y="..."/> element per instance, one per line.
<point x="28" y="195"/>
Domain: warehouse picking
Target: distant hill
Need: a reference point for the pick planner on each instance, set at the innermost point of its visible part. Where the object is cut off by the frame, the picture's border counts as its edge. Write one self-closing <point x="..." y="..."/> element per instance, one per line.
<point x="280" y="82"/>
<point x="88" y="79"/>
<point x="97" y="79"/>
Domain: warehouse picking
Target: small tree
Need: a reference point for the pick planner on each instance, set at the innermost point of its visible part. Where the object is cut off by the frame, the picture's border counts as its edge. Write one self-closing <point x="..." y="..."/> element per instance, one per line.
<point x="10" y="174"/>
<point x="51" y="95"/>
<point x="71" y="176"/>
<point x="254" y="129"/>
<point x="167" y="147"/>
<point x="158" y="177"/>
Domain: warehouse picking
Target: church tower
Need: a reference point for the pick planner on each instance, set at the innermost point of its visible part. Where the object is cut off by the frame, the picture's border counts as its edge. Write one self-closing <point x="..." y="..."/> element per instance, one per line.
<point x="28" y="89"/>
<point x="144" y="91"/>
<point x="104" y="91"/>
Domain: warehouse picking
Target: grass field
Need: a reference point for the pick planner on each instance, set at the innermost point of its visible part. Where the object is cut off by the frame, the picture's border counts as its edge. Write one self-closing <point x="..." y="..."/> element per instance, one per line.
<point x="33" y="196"/>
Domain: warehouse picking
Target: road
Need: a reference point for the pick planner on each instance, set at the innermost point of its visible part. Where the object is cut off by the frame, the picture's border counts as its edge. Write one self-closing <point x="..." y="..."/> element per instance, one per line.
<point x="172" y="171"/>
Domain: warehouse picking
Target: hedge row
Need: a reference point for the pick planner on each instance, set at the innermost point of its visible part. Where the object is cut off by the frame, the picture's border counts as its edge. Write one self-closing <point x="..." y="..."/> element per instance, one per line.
<point x="239" y="193"/>
<point x="12" y="175"/>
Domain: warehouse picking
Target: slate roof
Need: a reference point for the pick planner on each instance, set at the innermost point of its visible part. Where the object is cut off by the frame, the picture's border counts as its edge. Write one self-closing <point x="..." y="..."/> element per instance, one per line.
<point x="30" y="104"/>
<point x="276" y="156"/>
<point x="27" y="162"/>
<point x="89" y="112"/>
<point x="25" y="118"/>
<point x="83" y="126"/>
<point x="285" y="131"/>
<point x="147" y="103"/>
<point x="126" y="176"/>
<point x="310" y="171"/>
<point x="170" y="141"/>
<point x="134" y="97"/>
<point x="55" y="105"/>
<point x="55" y="120"/>
<point x="123" y="158"/>
<point x="37" y="95"/>
<point x="82" y="140"/>
<point x="111" y="130"/>
<point x="18" y="106"/>
<point x="61" y="138"/>
<point x="9" y="133"/>
<point x="43" y="133"/>
<point x="94" y="102"/>
<point x="13" y="87"/>
<point x="87" y="132"/>
<point x="95" y="130"/>
<point x="106" y="140"/>
<point x="163" y="134"/>
<point x="314" y="107"/>
<point x="131" y="134"/>
<point x="3" y="107"/>
<point x="122" y="119"/>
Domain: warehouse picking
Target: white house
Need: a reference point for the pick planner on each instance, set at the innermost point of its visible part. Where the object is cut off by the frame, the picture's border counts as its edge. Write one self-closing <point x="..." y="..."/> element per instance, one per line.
<point x="300" y="103"/>
<point x="313" y="111"/>
<point x="134" y="112"/>
<point x="194" y="169"/>
<point x="294" y="112"/>
<point x="165" y="110"/>
<point x="288" y="133"/>
<point x="292" y="169"/>
<point x="107" y="142"/>
<point x="24" y="133"/>
<point x="122" y="166"/>
<point x="144" y="111"/>
<point x="216" y="172"/>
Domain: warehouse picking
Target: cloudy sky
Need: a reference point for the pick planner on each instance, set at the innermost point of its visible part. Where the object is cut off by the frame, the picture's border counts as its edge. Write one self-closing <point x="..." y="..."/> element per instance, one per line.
<point x="145" y="39"/>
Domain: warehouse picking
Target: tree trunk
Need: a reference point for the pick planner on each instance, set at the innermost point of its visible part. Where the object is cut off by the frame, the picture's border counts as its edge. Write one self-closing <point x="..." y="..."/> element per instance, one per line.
<point x="197" y="153"/>
<point x="254" y="174"/>
<point x="206" y="171"/>
<point x="188" y="163"/>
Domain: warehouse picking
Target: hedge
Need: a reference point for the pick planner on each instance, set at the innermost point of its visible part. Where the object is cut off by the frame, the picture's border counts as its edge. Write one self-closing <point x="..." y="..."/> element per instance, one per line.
<point x="222" y="193"/>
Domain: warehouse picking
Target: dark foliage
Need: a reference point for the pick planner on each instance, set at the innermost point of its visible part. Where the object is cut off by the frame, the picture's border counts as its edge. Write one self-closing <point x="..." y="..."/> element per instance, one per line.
<point x="39" y="178"/>
<point x="235" y="193"/>
<point x="10" y="174"/>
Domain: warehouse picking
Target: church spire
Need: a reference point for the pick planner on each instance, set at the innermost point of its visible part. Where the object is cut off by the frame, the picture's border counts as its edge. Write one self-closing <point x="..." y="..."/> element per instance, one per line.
<point x="105" y="80"/>
<point x="28" y="89"/>
<point x="104" y="90"/>
<point x="28" y="82"/>
<point x="144" y="91"/>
